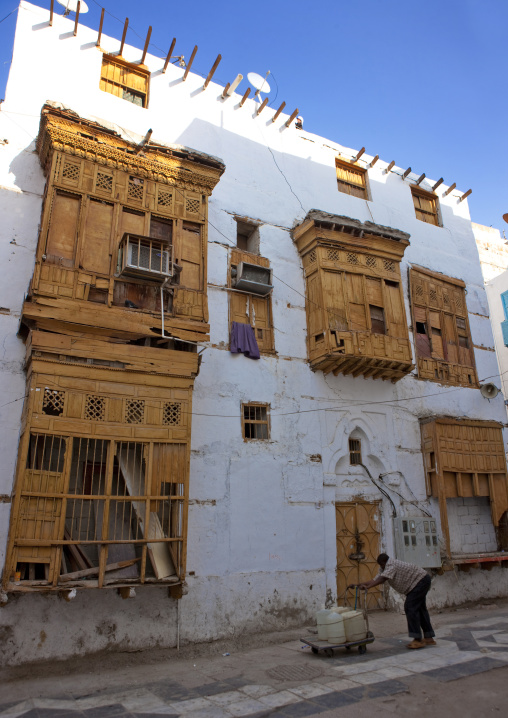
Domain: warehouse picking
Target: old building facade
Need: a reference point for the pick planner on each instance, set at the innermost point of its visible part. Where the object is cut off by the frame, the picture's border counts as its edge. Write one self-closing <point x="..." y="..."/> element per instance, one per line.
<point x="152" y="249"/>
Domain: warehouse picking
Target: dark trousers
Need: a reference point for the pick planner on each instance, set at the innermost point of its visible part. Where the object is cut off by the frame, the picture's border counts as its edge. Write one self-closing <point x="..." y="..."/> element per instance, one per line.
<point x="418" y="619"/>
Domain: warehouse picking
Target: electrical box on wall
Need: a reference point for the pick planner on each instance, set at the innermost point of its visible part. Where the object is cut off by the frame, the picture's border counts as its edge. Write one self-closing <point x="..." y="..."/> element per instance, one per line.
<point x="416" y="541"/>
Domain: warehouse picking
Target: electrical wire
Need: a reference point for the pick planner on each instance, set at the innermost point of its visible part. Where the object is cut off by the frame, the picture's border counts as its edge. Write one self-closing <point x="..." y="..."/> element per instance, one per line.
<point x="5" y="18"/>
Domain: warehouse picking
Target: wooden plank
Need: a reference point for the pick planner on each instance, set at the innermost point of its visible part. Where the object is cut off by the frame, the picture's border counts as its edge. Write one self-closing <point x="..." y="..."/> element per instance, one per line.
<point x="133" y="475"/>
<point x="63" y="228"/>
<point x="189" y="64"/>
<point x="95" y="570"/>
<point x="212" y="71"/>
<point x="168" y="56"/>
<point x="122" y="43"/>
<point x="147" y="42"/>
<point x="97" y="44"/>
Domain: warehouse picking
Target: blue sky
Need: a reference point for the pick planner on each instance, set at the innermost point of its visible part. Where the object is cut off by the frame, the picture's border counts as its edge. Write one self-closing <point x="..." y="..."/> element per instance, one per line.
<point x="423" y="84"/>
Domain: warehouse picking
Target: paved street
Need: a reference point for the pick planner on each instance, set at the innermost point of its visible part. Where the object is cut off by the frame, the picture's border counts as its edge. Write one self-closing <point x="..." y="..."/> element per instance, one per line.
<point x="468" y="670"/>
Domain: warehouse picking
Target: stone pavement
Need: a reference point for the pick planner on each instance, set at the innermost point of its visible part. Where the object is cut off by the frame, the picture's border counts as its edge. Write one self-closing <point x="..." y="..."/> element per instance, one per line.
<point x="284" y="680"/>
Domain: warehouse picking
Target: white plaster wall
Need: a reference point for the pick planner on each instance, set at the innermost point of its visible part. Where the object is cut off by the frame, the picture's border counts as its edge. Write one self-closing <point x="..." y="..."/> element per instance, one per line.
<point x="262" y="534"/>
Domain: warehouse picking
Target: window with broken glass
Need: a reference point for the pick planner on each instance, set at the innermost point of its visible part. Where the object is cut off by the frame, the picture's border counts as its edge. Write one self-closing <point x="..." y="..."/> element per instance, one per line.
<point x="255" y="422"/>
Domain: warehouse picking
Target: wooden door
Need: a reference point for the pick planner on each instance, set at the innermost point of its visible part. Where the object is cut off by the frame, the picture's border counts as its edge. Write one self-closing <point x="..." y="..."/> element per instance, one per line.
<point x="358" y="524"/>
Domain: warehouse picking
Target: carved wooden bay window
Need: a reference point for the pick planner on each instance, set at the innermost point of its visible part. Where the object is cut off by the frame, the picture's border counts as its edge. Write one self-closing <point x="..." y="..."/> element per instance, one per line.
<point x="356" y="321"/>
<point x="441" y="328"/>
<point x="101" y="491"/>
<point x="465" y="459"/>
<point x="100" y="189"/>
<point x="250" y="308"/>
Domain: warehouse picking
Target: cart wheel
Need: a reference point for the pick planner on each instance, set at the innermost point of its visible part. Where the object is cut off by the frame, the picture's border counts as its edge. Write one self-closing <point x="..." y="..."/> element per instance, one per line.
<point x="314" y="650"/>
<point x="362" y="649"/>
<point x="329" y="652"/>
<point x="370" y="634"/>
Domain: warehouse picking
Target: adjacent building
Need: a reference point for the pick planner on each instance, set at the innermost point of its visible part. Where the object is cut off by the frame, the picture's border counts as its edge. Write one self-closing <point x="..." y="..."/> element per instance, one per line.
<point x="239" y="360"/>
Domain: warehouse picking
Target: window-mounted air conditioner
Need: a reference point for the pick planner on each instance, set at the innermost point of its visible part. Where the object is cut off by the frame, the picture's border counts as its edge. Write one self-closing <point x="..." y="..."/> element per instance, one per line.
<point x="144" y="257"/>
<point x="252" y="278"/>
<point x="416" y="541"/>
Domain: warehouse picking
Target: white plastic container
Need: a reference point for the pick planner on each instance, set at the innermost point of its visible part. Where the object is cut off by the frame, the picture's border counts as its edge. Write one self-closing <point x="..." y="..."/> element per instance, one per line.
<point x="323" y="619"/>
<point x="341" y="609"/>
<point x="354" y="625"/>
<point x="336" y="633"/>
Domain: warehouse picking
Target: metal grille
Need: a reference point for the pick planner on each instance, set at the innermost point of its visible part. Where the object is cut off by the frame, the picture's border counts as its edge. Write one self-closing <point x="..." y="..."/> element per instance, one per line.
<point x="370" y="261"/>
<point x="135" y="411"/>
<point x="352" y="258"/>
<point x="333" y="255"/>
<point x="165" y="199"/>
<point x="255" y="422"/>
<point x="135" y="189"/>
<point x="95" y="407"/>
<point x="355" y="452"/>
<point x="389" y="265"/>
<point x="172" y="413"/>
<point x="70" y="171"/>
<point x="192" y="205"/>
<point x="53" y="402"/>
<point x="104" y="182"/>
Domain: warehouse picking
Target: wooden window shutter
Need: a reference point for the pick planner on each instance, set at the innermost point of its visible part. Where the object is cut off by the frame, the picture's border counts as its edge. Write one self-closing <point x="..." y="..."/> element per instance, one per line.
<point x="95" y="253"/>
<point x="63" y="227"/>
<point x="189" y="253"/>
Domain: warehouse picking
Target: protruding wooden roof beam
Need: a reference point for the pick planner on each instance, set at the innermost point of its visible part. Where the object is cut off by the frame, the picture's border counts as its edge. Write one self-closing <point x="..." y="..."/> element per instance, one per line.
<point x="124" y="34"/>
<point x="406" y="173"/>
<point x="420" y="179"/>
<point x="373" y="161"/>
<point x="390" y="166"/>
<point x="189" y="64"/>
<point x="51" y="12"/>
<point x="466" y="194"/>
<point x="77" y="18"/>
<point x="262" y="106"/>
<point x="147" y="42"/>
<point x="295" y="113"/>
<point x="97" y="44"/>
<point x="211" y="73"/>
<point x="278" y="111"/>
<point x="450" y="189"/>
<point x="434" y="188"/>
<point x="168" y="56"/>
<point x="247" y="93"/>
<point x="225" y="91"/>
<point x="355" y="159"/>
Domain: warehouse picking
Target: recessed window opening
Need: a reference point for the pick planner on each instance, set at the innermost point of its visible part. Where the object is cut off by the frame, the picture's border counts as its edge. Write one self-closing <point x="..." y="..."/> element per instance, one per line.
<point x="426" y="206"/>
<point x="247" y="236"/>
<point x="125" y="80"/>
<point x="255" y="419"/>
<point x="421" y="328"/>
<point x="355" y="452"/>
<point x="377" y="319"/>
<point x="351" y="179"/>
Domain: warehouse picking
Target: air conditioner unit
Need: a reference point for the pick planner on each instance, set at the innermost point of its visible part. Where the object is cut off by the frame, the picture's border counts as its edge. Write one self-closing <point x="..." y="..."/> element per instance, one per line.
<point x="252" y="278"/>
<point x="416" y="541"/>
<point x="144" y="257"/>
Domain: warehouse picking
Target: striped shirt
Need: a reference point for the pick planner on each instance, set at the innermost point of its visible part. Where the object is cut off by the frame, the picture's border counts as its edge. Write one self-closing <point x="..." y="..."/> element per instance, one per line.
<point x="402" y="576"/>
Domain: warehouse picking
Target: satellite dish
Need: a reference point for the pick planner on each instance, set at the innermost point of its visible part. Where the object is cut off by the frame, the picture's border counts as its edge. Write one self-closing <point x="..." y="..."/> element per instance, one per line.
<point x="259" y="83"/>
<point x="489" y="391"/>
<point x="72" y="6"/>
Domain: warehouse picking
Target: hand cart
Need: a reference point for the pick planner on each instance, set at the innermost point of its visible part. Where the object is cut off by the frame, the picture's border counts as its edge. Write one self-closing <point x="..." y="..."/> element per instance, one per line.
<point x="328" y="648"/>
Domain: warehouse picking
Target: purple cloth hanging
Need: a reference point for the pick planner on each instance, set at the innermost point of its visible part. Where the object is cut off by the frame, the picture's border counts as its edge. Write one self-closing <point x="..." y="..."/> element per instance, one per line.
<point x="243" y="340"/>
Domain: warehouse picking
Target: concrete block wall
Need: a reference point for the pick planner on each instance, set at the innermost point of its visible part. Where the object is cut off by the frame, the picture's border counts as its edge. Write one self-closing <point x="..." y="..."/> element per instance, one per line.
<point x="470" y="524"/>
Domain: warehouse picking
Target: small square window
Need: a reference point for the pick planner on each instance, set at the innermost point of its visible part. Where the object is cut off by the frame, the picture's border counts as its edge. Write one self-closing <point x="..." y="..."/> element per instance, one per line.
<point x="425" y="206"/>
<point x="355" y="452"/>
<point x="247" y="236"/>
<point x="124" y="79"/>
<point x="351" y="179"/>
<point x="255" y="422"/>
